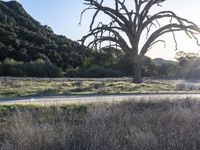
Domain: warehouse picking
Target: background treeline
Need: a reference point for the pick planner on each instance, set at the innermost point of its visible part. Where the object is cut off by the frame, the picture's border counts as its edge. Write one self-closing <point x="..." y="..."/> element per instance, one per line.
<point x="107" y="63"/>
<point x="29" y="49"/>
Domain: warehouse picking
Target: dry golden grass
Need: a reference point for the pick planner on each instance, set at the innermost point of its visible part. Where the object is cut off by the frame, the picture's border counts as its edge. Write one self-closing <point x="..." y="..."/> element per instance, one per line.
<point x="163" y="124"/>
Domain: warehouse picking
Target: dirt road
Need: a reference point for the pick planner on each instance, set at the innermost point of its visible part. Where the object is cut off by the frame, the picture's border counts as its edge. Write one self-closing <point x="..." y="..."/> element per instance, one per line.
<point x="96" y="98"/>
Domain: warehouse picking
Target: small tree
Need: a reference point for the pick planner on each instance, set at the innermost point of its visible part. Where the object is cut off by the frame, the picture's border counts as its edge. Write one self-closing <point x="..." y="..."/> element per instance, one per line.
<point x="131" y="24"/>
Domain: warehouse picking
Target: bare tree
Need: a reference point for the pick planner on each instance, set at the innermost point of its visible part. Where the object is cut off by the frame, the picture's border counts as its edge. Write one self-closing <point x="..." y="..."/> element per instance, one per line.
<point x="127" y="26"/>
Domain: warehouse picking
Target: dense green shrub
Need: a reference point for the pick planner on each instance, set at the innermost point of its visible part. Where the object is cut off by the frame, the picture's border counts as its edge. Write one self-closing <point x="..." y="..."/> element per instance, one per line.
<point x="94" y="71"/>
<point x="11" y="67"/>
<point x="97" y="71"/>
<point x="72" y="72"/>
<point x="38" y="68"/>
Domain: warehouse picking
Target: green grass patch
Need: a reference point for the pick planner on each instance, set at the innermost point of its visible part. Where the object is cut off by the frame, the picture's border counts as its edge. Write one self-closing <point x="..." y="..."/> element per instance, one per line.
<point x="16" y="87"/>
<point x="37" y="107"/>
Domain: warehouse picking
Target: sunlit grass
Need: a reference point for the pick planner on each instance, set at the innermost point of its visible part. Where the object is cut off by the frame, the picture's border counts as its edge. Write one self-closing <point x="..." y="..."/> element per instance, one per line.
<point x="16" y="87"/>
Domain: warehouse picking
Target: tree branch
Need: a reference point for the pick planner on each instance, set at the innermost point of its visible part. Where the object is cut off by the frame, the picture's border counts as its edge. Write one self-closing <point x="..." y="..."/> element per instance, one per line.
<point x="166" y="29"/>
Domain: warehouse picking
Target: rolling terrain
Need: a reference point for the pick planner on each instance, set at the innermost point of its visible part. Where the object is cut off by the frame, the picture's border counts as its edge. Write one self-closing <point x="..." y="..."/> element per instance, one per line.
<point x="24" y="39"/>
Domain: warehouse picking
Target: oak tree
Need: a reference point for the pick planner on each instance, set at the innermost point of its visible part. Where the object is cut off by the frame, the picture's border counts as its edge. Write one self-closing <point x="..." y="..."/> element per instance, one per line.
<point x="129" y="21"/>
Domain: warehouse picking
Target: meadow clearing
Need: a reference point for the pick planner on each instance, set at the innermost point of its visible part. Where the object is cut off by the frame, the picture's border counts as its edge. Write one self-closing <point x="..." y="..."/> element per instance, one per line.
<point x="17" y="87"/>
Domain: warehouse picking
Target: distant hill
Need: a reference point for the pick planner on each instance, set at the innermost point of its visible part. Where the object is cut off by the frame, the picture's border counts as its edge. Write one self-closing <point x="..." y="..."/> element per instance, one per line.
<point x="25" y="39"/>
<point x="160" y="61"/>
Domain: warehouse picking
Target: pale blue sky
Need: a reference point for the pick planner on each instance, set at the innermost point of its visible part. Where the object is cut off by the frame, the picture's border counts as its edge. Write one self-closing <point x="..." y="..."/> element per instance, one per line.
<point x="63" y="16"/>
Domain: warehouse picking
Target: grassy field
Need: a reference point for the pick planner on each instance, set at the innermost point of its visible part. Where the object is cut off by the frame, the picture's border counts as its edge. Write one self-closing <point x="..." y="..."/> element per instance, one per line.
<point x="164" y="124"/>
<point x="15" y="87"/>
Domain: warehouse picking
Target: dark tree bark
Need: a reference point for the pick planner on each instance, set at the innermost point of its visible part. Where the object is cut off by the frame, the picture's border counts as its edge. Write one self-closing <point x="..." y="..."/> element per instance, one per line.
<point x="137" y="69"/>
<point x="130" y="24"/>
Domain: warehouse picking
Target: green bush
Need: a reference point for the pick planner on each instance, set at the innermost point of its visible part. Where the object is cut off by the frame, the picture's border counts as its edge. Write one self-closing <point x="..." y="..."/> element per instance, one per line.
<point x="11" y="67"/>
<point x="72" y="72"/>
<point x="38" y="68"/>
<point x="98" y="72"/>
<point x="94" y="71"/>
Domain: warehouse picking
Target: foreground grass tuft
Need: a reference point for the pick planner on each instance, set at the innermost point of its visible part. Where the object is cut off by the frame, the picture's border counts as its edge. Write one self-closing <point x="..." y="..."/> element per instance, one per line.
<point x="163" y="124"/>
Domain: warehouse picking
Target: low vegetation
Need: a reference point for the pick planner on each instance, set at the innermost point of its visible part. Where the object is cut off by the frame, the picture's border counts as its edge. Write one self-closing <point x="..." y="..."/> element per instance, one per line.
<point x="153" y="124"/>
<point x="38" y="68"/>
<point x="16" y="87"/>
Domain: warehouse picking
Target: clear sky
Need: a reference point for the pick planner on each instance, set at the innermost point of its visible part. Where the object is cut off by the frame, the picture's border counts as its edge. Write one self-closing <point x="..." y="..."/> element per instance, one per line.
<point x="63" y="16"/>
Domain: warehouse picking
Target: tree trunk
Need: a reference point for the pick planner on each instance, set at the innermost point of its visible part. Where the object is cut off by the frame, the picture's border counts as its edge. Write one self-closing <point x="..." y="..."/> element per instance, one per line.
<point x="137" y="70"/>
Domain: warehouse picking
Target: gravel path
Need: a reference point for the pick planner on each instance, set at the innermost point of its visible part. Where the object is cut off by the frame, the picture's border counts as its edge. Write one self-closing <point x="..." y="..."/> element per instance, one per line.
<point x="96" y="98"/>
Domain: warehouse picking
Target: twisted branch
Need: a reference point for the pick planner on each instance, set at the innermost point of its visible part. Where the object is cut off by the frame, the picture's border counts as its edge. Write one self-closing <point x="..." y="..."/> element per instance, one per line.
<point x="132" y="23"/>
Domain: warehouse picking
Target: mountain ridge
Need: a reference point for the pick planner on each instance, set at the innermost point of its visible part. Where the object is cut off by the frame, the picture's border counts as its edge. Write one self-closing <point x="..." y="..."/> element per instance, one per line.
<point x="24" y="39"/>
<point x="161" y="61"/>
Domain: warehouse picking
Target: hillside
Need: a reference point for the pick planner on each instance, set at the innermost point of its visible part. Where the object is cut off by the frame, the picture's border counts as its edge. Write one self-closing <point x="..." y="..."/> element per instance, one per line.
<point x="160" y="61"/>
<point x="25" y="39"/>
